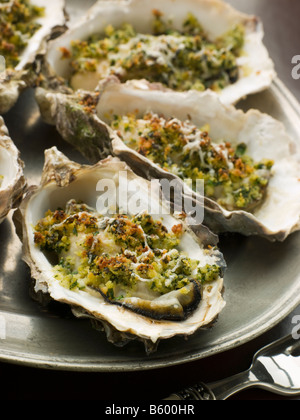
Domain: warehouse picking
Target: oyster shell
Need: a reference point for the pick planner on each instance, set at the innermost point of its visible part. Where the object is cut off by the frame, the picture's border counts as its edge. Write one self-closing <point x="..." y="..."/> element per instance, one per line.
<point x="12" y="180"/>
<point x="24" y="70"/>
<point x="253" y="71"/>
<point x="84" y="120"/>
<point x="125" y="318"/>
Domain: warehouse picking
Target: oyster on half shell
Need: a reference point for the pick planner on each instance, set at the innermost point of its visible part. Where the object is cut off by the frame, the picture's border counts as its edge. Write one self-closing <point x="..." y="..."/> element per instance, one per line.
<point x="12" y="180"/>
<point x="141" y="276"/>
<point x="169" y="43"/>
<point x="85" y="121"/>
<point x="22" y="40"/>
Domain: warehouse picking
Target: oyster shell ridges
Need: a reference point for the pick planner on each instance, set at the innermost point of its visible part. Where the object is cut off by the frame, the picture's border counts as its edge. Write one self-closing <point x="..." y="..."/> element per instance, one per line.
<point x="12" y="170"/>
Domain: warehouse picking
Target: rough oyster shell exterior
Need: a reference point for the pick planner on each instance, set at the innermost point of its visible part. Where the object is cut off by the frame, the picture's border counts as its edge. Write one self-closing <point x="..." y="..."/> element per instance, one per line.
<point x="11" y="168"/>
<point x="63" y="179"/>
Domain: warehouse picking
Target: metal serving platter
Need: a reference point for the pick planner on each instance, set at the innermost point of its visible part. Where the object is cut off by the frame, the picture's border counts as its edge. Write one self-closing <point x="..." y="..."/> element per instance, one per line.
<point x="262" y="281"/>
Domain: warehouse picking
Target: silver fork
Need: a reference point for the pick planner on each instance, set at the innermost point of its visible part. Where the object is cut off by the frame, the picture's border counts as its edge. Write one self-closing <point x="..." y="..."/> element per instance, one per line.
<point x="275" y="368"/>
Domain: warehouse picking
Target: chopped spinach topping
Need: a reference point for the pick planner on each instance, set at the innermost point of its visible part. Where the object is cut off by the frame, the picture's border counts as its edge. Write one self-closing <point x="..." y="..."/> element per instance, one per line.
<point x="17" y="25"/>
<point x="121" y="256"/>
<point x="230" y="176"/>
<point x="179" y="59"/>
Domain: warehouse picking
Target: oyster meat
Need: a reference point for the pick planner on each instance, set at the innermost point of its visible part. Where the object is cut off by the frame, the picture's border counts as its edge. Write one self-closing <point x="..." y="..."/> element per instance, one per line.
<point x="25" y="27"/>
<point x="142" y="276"/>
<point x="12" y="180"/>
<point x="248" y="162"/>
<point x="174" y="45"/>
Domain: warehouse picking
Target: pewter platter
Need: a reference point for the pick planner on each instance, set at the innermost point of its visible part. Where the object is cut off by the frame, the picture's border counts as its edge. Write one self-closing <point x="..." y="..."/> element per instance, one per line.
<point x="262" y="281"/>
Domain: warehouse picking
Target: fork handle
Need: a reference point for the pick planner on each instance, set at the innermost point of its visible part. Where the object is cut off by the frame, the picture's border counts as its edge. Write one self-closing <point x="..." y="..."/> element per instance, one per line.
<point x="196" y="392"/>
<point x="219" y="390"/>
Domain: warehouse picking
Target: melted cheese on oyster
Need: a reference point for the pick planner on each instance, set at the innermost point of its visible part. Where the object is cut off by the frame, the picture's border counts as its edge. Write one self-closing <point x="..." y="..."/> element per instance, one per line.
<point x="230" y="177"/>
<point x="131" y="261"/>
<point x="180" y="60"/>
<point x="17" y="25"/>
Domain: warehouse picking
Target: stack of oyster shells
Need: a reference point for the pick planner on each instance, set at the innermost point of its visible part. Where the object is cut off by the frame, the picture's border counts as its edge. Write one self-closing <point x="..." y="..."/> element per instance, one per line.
<point x="42" y="68"/>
